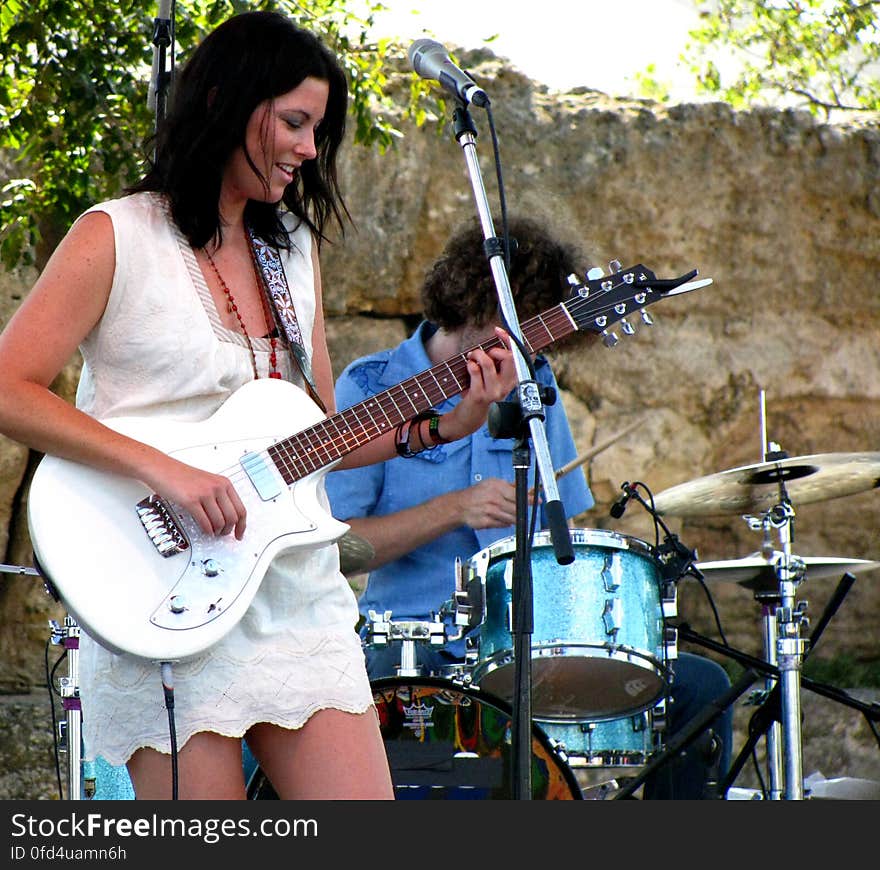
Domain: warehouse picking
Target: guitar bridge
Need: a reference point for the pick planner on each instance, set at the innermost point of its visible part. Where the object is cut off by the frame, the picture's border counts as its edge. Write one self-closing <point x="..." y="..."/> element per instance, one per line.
<point x="161" y="526"/>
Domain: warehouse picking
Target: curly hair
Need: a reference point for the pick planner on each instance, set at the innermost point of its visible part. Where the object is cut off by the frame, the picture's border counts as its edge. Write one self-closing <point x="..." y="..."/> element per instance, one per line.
<point x="459" y="289"/>
<point x="250" y="58"/>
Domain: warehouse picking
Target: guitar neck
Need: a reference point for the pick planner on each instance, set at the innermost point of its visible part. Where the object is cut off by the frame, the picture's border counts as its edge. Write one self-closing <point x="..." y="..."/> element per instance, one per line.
<point x="311" y="449"/>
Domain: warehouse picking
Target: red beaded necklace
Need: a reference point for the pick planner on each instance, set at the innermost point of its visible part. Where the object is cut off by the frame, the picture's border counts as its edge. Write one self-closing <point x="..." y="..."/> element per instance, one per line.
<point x="231" y="307"/>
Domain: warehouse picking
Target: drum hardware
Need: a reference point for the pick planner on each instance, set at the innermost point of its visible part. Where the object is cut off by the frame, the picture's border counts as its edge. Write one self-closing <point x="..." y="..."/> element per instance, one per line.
<point x="467" y="605"/>
<point x="755" y="573"/>
<point x="19" y="569"/>
<point x="764" y="495"/>
<point x="383" y="631"/>
<point x="70" y="729"/>
<point x="770" y="704"/>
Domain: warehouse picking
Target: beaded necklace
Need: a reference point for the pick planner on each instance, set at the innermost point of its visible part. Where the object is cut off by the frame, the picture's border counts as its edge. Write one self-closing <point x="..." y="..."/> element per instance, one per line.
<point x="231" y="306"/>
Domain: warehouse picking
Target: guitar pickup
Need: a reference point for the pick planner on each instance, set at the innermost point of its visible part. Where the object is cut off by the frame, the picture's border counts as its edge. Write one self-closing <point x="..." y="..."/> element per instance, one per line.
<point x="260" y="474"/>
<point x="161" y="526"/>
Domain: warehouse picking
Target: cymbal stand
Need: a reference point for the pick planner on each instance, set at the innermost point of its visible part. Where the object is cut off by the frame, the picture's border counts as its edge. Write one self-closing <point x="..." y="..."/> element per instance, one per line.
<point x="71" y="729"/>
<point x="782" y="620"/>
<point x="770" y="710"/>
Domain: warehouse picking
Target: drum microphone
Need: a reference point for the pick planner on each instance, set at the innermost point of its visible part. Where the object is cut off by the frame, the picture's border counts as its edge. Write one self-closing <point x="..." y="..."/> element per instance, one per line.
<point x="431" y="61"/>
<point x="619" y="506"/>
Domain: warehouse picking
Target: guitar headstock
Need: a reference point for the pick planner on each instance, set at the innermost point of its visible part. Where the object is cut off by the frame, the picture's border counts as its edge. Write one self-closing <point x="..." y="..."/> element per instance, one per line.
<point x="600" y="300"/>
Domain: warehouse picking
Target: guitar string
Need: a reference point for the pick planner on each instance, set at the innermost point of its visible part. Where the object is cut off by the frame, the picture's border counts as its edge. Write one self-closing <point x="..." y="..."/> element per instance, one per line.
<point x="367" y="419"/>
<point x="366" y="429"/>
<point x="365" y="422"/>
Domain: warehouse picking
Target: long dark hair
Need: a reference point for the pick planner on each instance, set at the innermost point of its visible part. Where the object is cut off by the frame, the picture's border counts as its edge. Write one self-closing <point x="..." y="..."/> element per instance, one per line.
<point x="250" y="58"/>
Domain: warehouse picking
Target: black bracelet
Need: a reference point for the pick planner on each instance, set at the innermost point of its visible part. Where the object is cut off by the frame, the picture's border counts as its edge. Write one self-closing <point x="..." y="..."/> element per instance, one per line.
<point x="401" y="438"/>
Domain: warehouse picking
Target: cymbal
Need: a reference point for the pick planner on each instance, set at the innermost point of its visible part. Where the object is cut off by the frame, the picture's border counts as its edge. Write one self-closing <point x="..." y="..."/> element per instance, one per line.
<point x="759" y="573"/>
<point x="753" y="488"/>
<point x="355" y="553"/>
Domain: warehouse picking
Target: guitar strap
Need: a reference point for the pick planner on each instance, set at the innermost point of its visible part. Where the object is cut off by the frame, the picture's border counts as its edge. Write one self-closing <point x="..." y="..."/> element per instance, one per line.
<point x="271" y="271"/>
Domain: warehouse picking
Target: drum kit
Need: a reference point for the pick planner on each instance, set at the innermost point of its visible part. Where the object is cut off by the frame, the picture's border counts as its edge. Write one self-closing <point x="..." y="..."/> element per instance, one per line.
<point x="604" y="642"/>
<point x="604" y="638"/>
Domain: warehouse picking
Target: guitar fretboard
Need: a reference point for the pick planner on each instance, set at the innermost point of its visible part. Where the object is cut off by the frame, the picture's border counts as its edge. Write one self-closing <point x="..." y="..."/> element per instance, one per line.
<point x="331" y="439"/>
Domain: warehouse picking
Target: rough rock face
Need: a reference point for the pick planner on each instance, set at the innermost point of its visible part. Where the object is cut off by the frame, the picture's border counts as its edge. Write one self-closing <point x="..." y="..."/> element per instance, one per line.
<point x="780" y="210"/>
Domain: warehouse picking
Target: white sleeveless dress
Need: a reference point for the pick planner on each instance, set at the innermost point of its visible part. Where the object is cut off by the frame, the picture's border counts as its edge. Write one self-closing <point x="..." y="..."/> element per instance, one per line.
<point x="161" y="351"/>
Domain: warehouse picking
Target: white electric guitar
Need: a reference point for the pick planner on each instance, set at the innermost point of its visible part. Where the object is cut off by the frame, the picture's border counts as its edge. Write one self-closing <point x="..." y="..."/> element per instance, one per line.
<point x="140" y="576"/>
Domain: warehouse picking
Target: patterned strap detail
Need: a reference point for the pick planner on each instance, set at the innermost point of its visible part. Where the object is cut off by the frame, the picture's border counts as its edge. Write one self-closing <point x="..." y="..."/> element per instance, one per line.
<point x="274" y="278"/>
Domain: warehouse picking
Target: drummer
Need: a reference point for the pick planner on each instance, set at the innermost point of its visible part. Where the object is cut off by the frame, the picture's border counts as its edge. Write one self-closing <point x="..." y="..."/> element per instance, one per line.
<point x="422" y="511"/>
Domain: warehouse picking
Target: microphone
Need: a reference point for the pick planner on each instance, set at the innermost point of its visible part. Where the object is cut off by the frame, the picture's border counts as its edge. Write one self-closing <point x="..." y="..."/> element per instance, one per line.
<point x="161" y="36"/>
<point x="431" y="61"/>
<point x="618" y="508"/>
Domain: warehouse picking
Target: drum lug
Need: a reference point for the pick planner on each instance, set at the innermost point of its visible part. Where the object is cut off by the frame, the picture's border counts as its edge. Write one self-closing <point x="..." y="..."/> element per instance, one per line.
<point x="611" y="573"/>
<point x="611" y="616"/>
<point x="669" y="599"/>
<point x="670" y="646"/>
<point x="658" y="717"/>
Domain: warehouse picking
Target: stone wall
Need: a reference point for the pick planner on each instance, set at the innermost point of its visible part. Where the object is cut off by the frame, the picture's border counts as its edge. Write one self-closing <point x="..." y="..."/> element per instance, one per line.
<point x="782" y="211"/>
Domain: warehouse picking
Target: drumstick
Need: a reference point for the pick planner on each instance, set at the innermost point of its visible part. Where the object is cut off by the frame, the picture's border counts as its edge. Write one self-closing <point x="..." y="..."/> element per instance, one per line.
<point x="598" y="448"/>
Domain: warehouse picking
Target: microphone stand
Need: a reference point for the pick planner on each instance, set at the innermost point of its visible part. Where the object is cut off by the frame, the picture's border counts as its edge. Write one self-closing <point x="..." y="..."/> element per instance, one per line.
<point x="163" y="30"/>
<point x="531" y="408"/>
<point x="523" y="626"/>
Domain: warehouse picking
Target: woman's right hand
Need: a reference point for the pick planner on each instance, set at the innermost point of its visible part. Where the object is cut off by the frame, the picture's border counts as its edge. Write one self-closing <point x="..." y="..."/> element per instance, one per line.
<point x="211" y="499"/>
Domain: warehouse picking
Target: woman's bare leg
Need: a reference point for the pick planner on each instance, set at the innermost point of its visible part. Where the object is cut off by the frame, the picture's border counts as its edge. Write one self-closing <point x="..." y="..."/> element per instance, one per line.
<point x="209" y="767"/>
<point x="334" y="756"/>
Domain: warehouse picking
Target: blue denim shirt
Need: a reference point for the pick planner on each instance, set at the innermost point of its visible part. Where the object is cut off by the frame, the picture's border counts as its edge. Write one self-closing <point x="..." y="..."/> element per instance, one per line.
<point x="418" y="584"/>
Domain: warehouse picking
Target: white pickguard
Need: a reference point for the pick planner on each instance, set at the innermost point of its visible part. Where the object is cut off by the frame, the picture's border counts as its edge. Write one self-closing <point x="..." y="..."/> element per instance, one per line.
<point x="94" y="549"/>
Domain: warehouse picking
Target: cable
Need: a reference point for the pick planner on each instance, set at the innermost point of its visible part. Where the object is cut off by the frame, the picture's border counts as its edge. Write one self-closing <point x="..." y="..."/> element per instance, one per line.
<point x="502" y="200"/>
<point x="168" y="689"/>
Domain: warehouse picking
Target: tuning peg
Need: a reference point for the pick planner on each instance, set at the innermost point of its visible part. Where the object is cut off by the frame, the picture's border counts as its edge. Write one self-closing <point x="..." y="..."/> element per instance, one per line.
<point x="573" y="280"/>
<point x="594" y="274"/>
<point x="615" y="266"/>
<point x="627" y="327"/>
<point x="609" y="339"/>
<point x="647" y="319"/>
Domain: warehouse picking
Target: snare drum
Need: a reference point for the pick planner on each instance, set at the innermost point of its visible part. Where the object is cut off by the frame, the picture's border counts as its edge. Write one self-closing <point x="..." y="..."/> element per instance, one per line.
<point x="599" y="646"/>
<point x="446" y="741"/>
<point x="626" y="742"/>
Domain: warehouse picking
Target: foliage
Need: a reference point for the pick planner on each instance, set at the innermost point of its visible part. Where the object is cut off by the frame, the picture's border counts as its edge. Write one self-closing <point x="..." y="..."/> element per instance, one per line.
<point x="824" y="54"/>
<point x="74" y="116"/>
